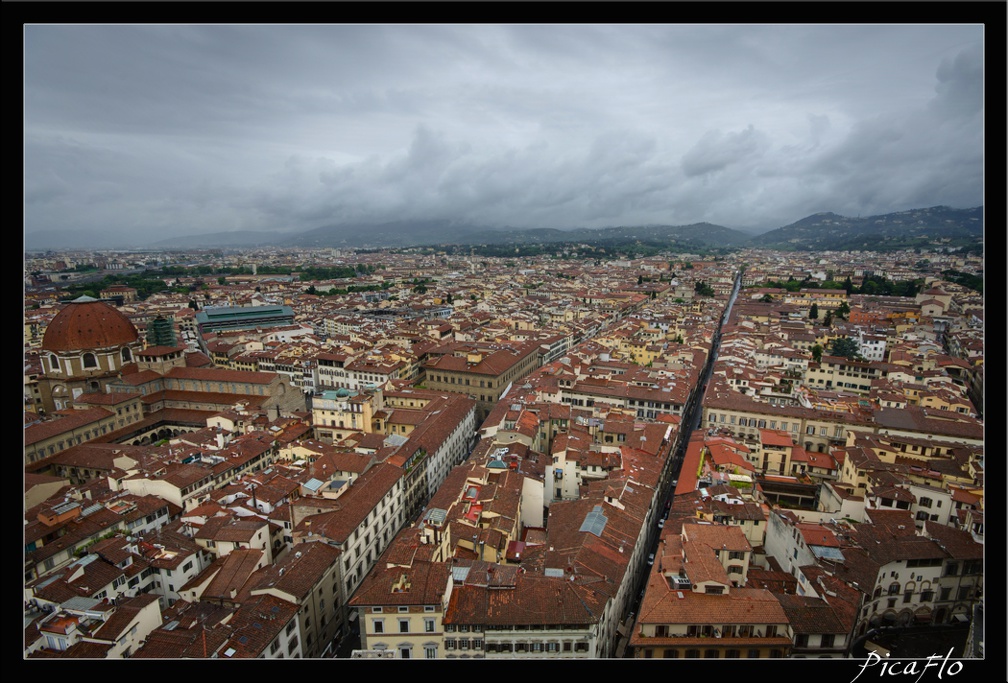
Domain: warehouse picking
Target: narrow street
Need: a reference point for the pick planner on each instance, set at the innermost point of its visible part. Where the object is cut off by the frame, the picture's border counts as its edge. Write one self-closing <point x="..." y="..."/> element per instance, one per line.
<point x="692" y="417"/>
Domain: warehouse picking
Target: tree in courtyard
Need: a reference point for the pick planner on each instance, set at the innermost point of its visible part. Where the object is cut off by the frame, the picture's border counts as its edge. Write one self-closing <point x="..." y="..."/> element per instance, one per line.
<point x="845" y="347"/>
<point x="813" y="313"/>
<point x="817" y="353"/>
<point x="702" y="288"/>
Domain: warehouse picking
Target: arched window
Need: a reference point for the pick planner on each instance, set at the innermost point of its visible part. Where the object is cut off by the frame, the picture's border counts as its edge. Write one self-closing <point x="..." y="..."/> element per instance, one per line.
<point x="127" y="355"/>
<point x="90" y="360"/>
<point x="54" y="364"/>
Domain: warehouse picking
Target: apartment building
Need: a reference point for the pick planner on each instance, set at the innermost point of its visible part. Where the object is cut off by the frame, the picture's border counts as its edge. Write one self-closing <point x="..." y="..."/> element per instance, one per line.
<point x="262" y="628"/>
<point x="58" y="530"/>
<point x="482" y="372"/>
<point x="339" y="413"/>
<point x="190" y="480"/>
<point x="697" y="606"/>
<point x="491" y="606"/>
<point x="839" y="373"/>
<point x="441" y="440"/>
<point x="88" y="578"/>
<point x="829" y="299"/>
<point x="93" y="628"/>
<point x="96" y="415"/>
<point x="905" y="575"/>
<point x="259" y="628"/>
<point x="308" y="578"/>
<point x="401" y="609"/>
<point x="727" y="506"/>
<point x="330" y="371"/>
<point x="818" y="628"/>
<point x="360" y="523"/>
<point x="430" y="431"/>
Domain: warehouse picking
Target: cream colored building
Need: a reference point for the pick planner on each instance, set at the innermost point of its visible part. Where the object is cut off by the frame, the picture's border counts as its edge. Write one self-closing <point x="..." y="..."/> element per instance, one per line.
<point x="401" y="610"/>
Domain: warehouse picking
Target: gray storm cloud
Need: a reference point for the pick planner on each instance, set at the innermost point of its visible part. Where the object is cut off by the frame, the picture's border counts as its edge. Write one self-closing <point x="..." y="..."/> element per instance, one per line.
<point x="188" y="129"/>
<point x="715" y="151"/>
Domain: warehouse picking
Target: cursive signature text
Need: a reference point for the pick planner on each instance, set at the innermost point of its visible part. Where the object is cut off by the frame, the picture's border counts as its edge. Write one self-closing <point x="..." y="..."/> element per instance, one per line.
<point x="894" y="667"/>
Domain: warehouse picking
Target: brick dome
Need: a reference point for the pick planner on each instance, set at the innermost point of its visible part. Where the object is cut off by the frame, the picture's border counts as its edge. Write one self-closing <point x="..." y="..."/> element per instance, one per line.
<point x="88" y="323"/>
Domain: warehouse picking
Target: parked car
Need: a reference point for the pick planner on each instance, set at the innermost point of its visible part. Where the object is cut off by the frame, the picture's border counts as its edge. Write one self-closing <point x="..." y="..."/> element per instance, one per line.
<point x="650" y="559"/>
<point x="661" y="523"/>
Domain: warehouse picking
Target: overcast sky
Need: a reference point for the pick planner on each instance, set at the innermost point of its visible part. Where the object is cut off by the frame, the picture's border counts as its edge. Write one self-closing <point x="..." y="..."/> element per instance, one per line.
<point x="181" y="129"/>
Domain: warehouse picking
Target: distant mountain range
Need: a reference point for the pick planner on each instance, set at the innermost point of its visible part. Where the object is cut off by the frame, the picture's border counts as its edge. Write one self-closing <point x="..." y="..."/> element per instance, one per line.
<point x="905" y="229"/>
<point x="939" y="225"/>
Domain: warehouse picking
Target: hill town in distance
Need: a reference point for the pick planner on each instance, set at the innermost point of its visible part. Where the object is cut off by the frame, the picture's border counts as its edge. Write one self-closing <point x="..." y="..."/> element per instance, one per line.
<point x="552" y="451"/>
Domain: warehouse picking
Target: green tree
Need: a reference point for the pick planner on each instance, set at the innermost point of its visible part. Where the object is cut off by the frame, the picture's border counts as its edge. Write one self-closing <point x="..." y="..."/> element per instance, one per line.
<point x="814" y="312"/>
<point x="828" y="320"/>
<point x="843" y="310"/>
<point x="702" y="288"/>
<point x="845" y="347"/>
<point x="817" y="353"/>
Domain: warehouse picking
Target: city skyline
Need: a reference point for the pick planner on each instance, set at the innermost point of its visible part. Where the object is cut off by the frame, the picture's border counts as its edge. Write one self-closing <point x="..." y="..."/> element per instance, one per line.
<point x="150" y="132"/>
